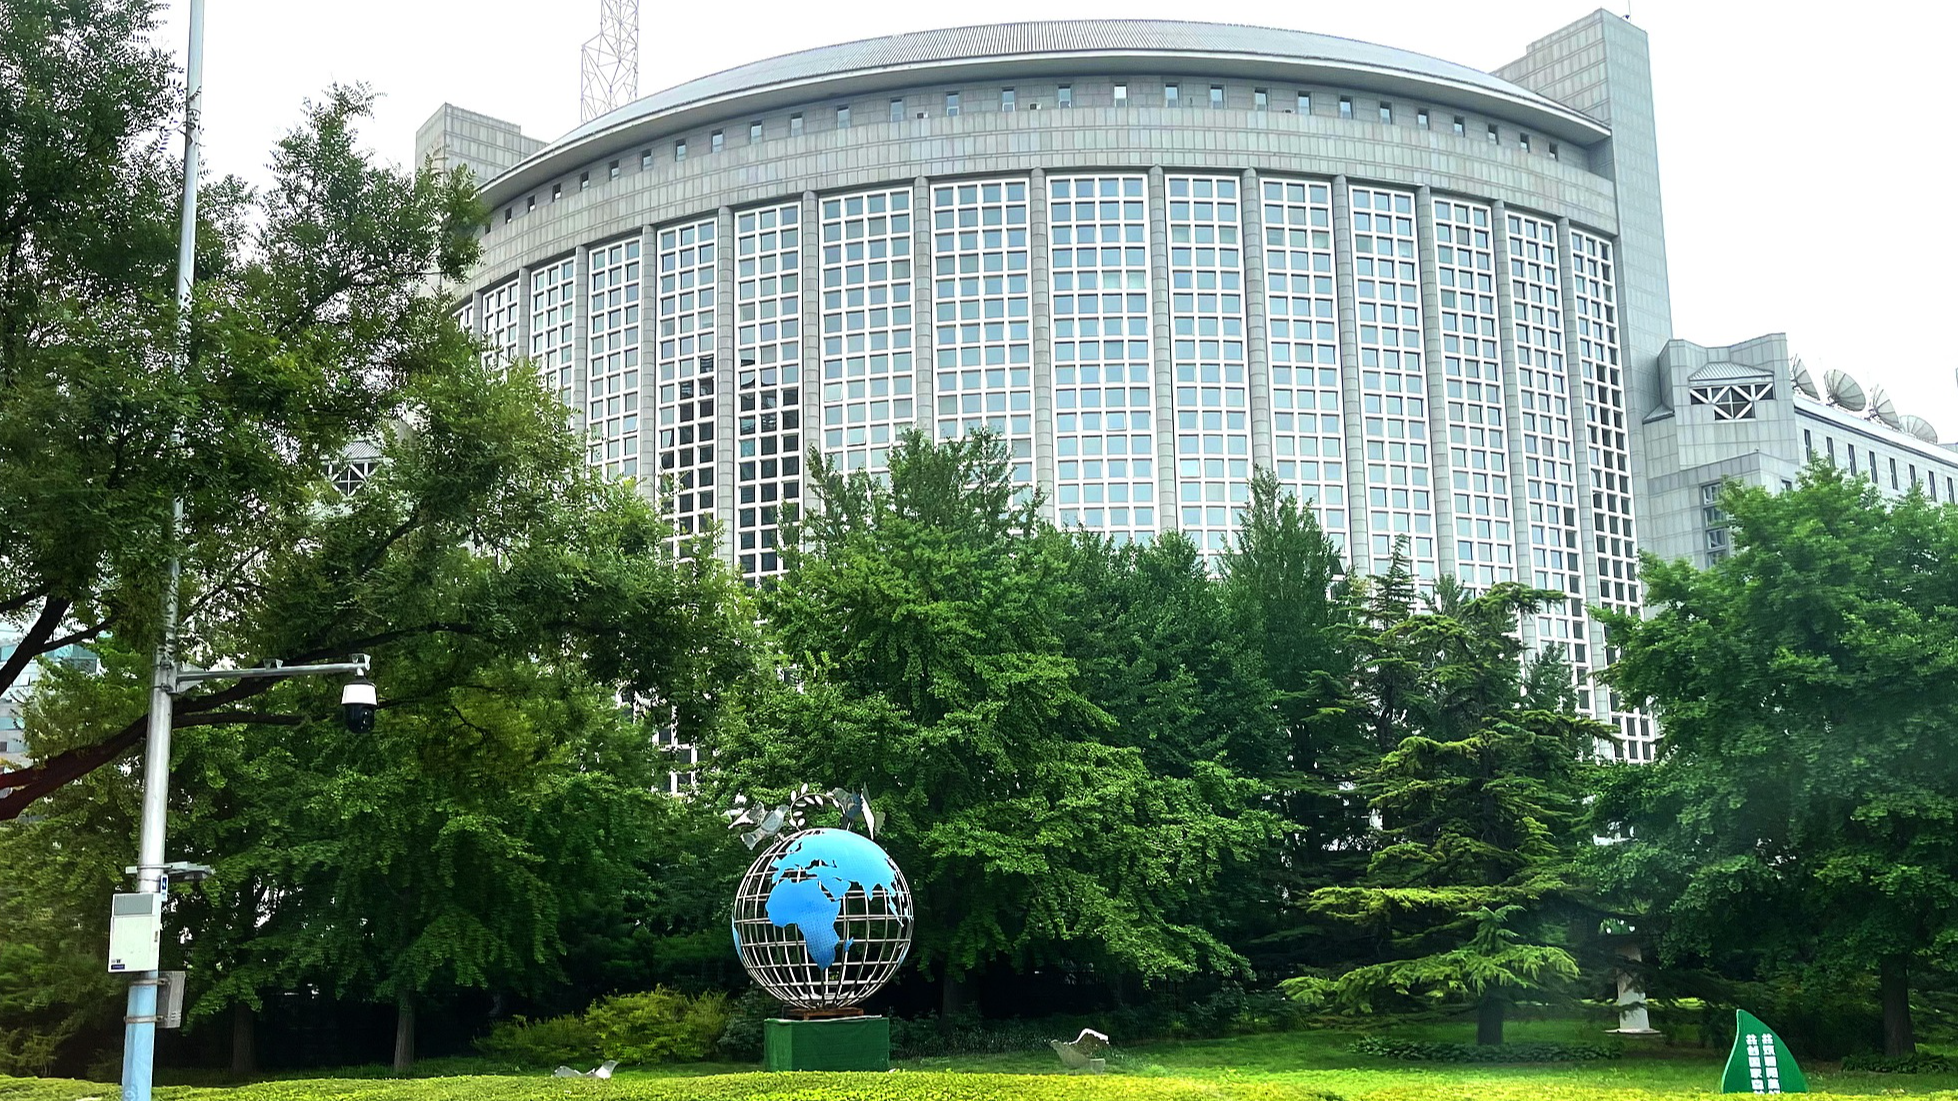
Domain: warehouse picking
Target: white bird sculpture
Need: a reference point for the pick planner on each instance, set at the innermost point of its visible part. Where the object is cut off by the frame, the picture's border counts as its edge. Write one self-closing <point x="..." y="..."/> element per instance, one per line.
<point x="604" y="1071"/>
<point x="1083" y="1052"/>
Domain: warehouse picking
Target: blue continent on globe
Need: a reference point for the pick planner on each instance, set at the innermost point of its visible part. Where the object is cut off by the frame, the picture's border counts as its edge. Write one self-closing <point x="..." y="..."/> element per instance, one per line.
<point x="824" y="865"/>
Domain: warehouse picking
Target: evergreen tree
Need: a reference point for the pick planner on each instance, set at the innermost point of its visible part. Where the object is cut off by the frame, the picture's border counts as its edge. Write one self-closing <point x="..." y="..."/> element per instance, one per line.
<point x="1477" y="803"/>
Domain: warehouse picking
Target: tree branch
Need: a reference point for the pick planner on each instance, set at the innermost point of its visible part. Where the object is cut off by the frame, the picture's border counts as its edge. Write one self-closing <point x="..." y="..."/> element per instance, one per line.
<point x="35" y="642"/>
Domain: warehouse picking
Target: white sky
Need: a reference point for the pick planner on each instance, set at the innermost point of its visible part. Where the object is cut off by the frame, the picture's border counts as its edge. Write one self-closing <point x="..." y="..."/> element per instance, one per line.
<point x="1796" y="141"/>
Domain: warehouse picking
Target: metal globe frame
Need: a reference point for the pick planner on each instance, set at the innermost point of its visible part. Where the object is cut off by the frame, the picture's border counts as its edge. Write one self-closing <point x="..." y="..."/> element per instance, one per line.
<point x="876" y="938"/>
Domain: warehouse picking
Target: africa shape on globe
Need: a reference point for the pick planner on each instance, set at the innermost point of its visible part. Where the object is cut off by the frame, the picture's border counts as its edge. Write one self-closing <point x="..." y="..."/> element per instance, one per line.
<point x="822" y="919"/>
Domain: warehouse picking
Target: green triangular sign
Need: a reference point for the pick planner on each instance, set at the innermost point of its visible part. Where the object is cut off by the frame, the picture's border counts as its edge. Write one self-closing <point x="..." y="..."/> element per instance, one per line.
<point x="1761" y="1063"/>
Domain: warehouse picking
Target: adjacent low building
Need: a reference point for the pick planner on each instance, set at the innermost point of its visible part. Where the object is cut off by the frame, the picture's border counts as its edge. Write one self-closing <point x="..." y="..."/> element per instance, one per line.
<point x="1753" y="413"/>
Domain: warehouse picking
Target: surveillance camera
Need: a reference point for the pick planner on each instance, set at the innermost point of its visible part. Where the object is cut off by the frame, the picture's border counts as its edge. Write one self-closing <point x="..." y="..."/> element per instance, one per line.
<point x="357" y="702"/>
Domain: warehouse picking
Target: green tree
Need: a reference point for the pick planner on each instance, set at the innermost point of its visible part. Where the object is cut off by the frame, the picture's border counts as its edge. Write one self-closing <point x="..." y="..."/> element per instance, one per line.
<point x="480" y="547"/>
<point x="1803" y="795"/>
<point x="1285" y="596"/>
<point x="921" y="623"/>
<point x="1477" y="800"/>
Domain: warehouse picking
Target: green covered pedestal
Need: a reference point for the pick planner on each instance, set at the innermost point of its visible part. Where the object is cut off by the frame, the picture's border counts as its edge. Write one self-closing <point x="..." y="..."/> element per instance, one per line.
<point x="836" y="1043"/>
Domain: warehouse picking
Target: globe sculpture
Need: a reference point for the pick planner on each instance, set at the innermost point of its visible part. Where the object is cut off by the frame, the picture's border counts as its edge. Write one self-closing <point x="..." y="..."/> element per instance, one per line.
<point x="822" y="919"/>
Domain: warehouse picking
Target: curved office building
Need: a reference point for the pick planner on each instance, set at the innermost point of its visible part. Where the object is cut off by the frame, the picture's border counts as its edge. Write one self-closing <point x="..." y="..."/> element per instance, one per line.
<point x="1152" y="256"/>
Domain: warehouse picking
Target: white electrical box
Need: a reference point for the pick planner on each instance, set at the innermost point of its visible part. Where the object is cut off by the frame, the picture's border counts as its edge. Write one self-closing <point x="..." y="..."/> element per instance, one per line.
<point x="136" y="932"/>
<point x="170" y="1000"/>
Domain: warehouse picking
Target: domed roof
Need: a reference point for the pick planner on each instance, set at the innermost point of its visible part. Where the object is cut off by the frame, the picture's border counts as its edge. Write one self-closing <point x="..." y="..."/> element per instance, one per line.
<point x="1077" y="46"/>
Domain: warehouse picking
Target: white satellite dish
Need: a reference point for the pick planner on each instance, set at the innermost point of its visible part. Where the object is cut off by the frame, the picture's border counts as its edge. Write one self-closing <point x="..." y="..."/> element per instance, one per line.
<point x="1882" y="408"/>
<point x="1919" y="427"/>
<point x="1804" y="381"/>
<point x="1844" y="391"/>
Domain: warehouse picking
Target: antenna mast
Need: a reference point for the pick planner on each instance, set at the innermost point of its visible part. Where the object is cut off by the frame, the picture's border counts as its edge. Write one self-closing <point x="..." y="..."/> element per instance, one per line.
<point x="609" y="63"/>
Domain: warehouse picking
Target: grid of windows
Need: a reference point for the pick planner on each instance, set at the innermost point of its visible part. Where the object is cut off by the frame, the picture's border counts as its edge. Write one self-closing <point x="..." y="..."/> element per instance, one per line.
<point x="767" y="381"/>
<point x="1478" y="439"/>
<point x="465" y="316"/>
<point x="551" y="311"/>
<point x="1206" y="309"/>
<point x="1549" y="475"/>
<point x="686" y="374"/>
<point x="1103" y="385"/>
<point x="1393" y="387"/>
<point x="612" y="371"/>
<point x="500" y="305"/>
<point x="1308" y="442"/>
<point x="982" y="309"/>
<point x="1595" y="288"/>
<point x="868" y="377"/>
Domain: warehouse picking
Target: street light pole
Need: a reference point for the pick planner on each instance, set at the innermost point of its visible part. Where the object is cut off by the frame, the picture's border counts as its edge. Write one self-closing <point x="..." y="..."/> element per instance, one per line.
<point x="139" y="1023"/>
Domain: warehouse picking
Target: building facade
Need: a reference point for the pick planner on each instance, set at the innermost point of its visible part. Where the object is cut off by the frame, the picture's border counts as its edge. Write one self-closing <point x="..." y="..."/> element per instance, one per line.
<point x="1152" y="257"/>
<point x="1753" y="413"/>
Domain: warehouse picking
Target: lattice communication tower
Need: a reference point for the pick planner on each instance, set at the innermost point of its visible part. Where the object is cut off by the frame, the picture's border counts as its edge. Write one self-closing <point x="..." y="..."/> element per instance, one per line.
<point x="609" y="63"/>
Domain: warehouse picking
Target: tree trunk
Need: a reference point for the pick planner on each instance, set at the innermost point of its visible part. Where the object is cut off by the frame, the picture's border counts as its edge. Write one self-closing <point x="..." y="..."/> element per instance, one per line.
<point x="1488" y="1019"/>
<point x="404" y="1034"/>
<point x="1899" y="1037"/>
<point x="951" y="999"/>
<point x="244" y="1041"/>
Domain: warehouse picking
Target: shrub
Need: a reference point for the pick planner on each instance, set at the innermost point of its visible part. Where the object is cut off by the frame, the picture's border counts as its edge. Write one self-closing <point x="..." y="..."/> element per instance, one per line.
<point x="1434" y="1051"/>
<point x="658" y="1026"/>
<point x="740" y="1041"/>
<point x="544" y="1043"/>
<point x="1921" y="1063"/>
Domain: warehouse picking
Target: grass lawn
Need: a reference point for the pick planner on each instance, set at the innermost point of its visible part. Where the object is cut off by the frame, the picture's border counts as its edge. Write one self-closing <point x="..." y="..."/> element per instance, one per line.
<point x="1300" y="1066"/>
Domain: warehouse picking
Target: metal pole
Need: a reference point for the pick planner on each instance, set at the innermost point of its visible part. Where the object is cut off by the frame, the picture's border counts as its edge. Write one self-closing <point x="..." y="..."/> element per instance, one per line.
<point x="139" y="1036"/>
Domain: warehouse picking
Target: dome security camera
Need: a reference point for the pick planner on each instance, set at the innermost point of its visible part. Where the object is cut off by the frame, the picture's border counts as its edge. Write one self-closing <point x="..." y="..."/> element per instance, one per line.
<point x="357" y="703"/>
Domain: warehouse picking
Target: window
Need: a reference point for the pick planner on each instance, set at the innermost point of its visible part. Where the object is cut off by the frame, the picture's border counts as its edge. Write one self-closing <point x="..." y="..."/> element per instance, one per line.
<point x="1386" y="111"/>
<point x="1853" y="470"/>
<point x="1064" y="95"/>
<point x="1893" y="475"/>
<point x="1006" y="99"/>
<point x="1830" y="443"/>
<point x="645" y="160"/>
<point x="612" y="171"/>
<point x="508" y="213"/>
<point x="897" y="109"/>
<point x="1553" y="150"/>
<point x="1170" y="95"/>
<point x="584" y="180"/>
<point x="951" y="104"/>
<point x="1733" y="401"/>
<point x="1524" y="141"/>
<point x="1493" y="135"/>
<point x="1305" y="103"/>
<point x="716" y="141"/>
<point x="754" y="132"/>
<point x="1121" y="95"/>
<point x="680" y="150"/>
<point x="1808" y="443"/>
<point x="1461" y="126"/>
<point x="1913" y="474"/>
<point x="1260" y="99"/>
<point x="1216" y="96"/>
<point x="530" y="204"/>
<point x="843" y="117"/>
<point x="795" y="126"/>
<point x="1421" y="118"/>
<point x="1345" y="107"/>
<point x="556" y="190"/>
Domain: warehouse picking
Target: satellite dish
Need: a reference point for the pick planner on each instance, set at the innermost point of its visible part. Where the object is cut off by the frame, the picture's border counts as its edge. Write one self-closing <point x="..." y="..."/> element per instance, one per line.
<point x="1882" y="408"/>
<point x="1844" y="391"/>
<point x="1804" y="381"/>
<point x="1919" y="427"/>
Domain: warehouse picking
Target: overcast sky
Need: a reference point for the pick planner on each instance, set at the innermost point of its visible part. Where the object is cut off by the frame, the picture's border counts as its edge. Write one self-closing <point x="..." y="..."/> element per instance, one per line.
<point x="1797" y="142"/>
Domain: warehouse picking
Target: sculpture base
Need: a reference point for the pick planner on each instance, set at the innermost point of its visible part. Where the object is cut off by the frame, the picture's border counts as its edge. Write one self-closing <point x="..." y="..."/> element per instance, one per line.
<point x="838" y="1043"/>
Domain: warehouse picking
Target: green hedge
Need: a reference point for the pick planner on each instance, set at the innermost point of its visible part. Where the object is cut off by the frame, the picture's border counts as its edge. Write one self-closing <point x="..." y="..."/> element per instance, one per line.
<point x="1436" y="1051"/>
<point x="1921" y="1063"/>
